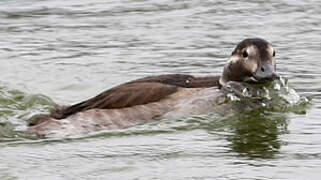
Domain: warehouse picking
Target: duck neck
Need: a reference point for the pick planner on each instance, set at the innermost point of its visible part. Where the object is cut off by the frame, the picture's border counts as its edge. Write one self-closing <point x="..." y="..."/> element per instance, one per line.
<point x="224" y="78"/>
<point x="222" y="82"/>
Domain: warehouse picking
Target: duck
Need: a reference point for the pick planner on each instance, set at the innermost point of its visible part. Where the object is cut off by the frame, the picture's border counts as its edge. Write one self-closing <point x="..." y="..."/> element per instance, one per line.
<point x="163" y="96"/>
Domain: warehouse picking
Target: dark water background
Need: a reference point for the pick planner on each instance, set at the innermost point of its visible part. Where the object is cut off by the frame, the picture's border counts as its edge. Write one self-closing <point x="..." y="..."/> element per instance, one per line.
<point x="71" y="50"/>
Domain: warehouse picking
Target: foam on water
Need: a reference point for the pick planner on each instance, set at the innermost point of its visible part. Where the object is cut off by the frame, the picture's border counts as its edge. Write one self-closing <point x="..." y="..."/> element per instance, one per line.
<point x="276" y="96"/>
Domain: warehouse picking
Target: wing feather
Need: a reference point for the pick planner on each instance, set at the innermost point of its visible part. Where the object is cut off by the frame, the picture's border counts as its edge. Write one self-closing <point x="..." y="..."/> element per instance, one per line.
<point x="138" y="92"/>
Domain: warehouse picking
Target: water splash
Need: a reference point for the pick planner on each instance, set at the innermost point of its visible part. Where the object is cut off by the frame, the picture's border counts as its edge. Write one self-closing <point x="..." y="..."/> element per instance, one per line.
<point x="276" y="96"/>
<point x="16" y="107"/>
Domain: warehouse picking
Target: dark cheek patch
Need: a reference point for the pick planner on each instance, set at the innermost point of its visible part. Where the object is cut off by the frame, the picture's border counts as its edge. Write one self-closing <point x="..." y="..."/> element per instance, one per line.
<point x="237" y="71"/>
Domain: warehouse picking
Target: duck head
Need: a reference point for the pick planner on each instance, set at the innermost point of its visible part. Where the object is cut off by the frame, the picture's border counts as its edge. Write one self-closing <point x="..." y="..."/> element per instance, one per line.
<point x="252" y="61"/>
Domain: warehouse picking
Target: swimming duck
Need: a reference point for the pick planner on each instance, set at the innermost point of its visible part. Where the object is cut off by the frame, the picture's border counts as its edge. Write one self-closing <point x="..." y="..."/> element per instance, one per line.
<point x="164" y="96"/>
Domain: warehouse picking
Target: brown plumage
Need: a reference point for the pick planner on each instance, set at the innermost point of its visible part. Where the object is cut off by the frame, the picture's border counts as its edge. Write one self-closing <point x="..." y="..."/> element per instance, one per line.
<point x="138" y="92"/>
<point x="165" y="96"/>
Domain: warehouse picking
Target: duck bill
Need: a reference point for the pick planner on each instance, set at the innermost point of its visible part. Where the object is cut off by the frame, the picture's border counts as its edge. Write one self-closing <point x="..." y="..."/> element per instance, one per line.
<point x="266" y="72"/>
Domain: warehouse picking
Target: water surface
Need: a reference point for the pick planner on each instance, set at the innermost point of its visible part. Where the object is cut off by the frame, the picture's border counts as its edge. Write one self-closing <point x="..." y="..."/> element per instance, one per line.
<point x="67" y="51"/>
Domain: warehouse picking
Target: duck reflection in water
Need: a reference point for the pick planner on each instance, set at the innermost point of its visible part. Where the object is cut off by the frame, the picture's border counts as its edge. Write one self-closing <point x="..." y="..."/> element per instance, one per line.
<point x="256" y="127"/>
<point x="256" y="134"/>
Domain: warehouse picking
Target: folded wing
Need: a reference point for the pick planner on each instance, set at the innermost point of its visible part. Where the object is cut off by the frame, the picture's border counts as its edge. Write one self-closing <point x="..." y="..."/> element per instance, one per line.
<point x="138" y="92"/>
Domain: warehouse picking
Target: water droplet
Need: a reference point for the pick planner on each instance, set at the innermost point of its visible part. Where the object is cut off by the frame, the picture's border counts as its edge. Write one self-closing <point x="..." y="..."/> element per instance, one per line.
<point x="233" y="97"/>
<point x="277" y="87"/>
<point x="266" y="93"/>
<point x="246" y="92"/>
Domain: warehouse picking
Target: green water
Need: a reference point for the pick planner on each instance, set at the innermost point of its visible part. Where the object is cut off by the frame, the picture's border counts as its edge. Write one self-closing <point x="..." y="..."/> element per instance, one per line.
<point x="67" y="51"/>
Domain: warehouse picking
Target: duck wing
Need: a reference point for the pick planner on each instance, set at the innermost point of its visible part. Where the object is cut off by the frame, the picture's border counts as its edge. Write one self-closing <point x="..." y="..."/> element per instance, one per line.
<point x="138" y="92"/>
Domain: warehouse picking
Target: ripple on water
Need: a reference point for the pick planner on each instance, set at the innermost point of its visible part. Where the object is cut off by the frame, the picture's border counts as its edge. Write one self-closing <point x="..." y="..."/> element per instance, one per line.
<point x="16" y="107"/>
<point x="72" y="50"/>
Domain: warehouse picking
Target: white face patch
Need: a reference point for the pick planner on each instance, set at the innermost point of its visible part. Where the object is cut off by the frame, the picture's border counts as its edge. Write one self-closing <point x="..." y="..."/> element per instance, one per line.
<point x="251" y="50"/>
<point x="271" y="51"/>
<point x="233" y="59"/>
<point x="251" y="66"/>
<point x="250" y="63"/>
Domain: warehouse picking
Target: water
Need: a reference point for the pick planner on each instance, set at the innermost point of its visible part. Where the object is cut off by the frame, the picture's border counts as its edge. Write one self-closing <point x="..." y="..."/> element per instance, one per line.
<point x="67" y="51"/>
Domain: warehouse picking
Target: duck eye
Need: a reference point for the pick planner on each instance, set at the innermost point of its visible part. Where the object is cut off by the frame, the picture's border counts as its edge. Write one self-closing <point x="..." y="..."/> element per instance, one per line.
<point x="273" y="53"/>
<point x="245" y="54"/>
